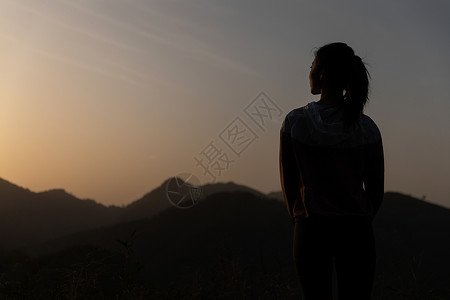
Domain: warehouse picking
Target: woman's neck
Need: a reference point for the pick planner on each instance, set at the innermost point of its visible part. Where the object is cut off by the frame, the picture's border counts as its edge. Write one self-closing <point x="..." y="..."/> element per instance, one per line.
<point x="328" y="97"/>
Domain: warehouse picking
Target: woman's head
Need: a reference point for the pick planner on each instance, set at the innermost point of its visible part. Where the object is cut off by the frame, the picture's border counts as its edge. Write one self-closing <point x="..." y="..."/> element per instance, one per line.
<point x="336" y="69"/>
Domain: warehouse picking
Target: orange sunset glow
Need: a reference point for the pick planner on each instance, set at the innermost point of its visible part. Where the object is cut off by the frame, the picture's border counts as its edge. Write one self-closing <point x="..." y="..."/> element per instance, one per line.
<point x="109" y="100"/>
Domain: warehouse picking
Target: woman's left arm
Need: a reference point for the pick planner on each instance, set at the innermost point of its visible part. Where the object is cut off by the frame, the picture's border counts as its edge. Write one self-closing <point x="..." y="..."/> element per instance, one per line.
<point x="288" y="173"/>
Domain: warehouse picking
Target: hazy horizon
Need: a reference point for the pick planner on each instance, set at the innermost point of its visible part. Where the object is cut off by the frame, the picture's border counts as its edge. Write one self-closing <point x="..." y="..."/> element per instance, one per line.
<point x="109" y="100"/>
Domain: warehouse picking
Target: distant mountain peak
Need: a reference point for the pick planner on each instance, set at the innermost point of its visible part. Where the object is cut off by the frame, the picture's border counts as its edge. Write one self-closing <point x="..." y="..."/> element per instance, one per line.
<point x="55" y="192"/>
<point x="5" y="185"/>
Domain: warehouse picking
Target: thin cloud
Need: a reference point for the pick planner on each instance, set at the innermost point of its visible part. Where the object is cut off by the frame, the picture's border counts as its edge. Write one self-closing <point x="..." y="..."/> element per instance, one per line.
<point x="180" y="40"/>
<point x="119" y="71"/>
<point x="69" y="60"/>
<point x="78" y="29"/>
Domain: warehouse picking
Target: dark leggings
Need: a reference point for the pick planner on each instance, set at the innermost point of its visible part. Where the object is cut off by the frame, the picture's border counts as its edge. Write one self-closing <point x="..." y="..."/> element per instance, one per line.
<point x="348" y="242"/>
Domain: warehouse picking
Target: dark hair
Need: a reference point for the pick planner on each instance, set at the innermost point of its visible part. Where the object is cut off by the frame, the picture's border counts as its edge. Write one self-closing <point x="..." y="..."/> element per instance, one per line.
<point x="345" y="71"/>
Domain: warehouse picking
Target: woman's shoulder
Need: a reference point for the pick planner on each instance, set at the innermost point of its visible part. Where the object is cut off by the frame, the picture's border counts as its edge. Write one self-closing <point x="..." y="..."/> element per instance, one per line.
<point x="370" y="129"/>
<point x="291" y="118"/>
<point x="299" y="111"/>
<point x="294" y="115"/>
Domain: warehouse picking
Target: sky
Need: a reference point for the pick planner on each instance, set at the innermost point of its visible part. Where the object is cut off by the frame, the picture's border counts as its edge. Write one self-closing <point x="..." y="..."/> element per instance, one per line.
<point x="109" y="98"/>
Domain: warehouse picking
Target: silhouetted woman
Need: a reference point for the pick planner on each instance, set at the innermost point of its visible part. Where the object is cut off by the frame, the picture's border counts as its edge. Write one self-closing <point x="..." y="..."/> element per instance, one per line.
<point x="332" y="177"/>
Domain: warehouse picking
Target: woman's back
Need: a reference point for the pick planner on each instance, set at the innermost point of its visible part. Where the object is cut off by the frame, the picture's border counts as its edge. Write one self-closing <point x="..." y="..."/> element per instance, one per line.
<point x="333" y="160"/>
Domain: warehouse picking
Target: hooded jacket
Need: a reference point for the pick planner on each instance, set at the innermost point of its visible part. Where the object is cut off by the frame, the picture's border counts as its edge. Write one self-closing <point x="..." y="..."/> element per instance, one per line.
<point x="327" y="168"/>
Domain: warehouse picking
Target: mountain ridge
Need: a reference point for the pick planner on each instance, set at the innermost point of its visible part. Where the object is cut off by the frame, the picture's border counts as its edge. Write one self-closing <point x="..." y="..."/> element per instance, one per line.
<point x="233" y="235"/>
<point x="28" y="217"/>
<point x="234" y="241"/>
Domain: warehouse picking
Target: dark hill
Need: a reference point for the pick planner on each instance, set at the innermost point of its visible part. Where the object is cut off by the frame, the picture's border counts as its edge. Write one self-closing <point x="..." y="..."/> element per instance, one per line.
<point x="276" y="195"/>
<point x="413" y="246"/>
<point x="12" y="196"/>
<point x="27" y="217"/>
<point x="219" y="187"/>
<point x="149" y="205"/>
<point x="156" y="201"/>
<point x="235" y="242"/>
<point x="227" y="238"/>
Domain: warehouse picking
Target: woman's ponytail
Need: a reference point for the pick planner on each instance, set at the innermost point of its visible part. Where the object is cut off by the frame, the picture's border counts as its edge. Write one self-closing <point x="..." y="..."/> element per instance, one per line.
<point x="347" y="72"/>
<point x="356" y="91"/>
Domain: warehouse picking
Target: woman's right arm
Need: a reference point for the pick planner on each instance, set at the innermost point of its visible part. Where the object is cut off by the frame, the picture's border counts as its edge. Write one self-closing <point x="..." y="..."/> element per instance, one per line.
<point x="374" y="174"/>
